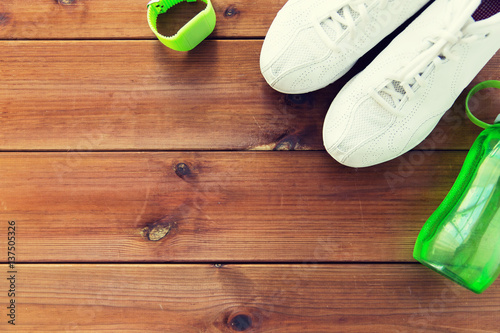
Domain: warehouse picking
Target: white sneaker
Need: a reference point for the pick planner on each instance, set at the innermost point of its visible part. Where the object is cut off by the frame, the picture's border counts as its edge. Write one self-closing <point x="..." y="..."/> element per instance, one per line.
<point x="312" y="43"/>
<point x="394" y="103"/>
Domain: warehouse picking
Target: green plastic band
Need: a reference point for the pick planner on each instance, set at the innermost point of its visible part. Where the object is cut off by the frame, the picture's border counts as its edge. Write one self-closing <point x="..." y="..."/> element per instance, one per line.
<point x="191" y="34"/>
<point x="480" y="86"/>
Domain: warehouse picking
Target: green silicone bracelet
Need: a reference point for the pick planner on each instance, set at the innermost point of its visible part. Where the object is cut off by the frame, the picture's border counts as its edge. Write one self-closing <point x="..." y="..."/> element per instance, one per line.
<point x="191" y="34"/>
<point x="480" y="86"/>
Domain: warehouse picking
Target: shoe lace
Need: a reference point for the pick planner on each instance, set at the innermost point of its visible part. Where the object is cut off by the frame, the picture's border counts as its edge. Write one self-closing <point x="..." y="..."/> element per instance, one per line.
<point x="345" y="18"/>
<point x="436" y="49"/>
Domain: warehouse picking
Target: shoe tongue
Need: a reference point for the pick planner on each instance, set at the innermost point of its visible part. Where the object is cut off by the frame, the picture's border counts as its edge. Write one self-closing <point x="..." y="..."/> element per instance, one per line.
<point x="387" y="98"/>
<point x="327" y="24"/>
<point x="329" y="30"/>
<point x="354" y="14"/>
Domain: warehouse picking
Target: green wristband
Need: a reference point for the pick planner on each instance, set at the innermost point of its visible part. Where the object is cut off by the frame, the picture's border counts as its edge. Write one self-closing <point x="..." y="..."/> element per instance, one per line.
<point x="475" y="89"/>
<point x="191" y="34"/>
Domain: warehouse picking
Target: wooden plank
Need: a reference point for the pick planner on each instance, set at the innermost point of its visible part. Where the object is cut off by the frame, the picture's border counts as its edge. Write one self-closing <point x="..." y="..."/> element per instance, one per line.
<point x="79" y="19"/>
<point x="136" y="95"/>
<point x="216" y="206"/>
<point x="248" y="298"/>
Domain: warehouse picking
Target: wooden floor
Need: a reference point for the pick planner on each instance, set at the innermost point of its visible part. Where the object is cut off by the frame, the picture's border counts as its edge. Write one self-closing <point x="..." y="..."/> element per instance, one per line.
<point x="177" y="192"/>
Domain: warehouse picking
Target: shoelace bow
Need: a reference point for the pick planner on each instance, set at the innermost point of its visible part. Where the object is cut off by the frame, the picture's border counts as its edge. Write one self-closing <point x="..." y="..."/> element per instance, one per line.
<point x="345" y="18"/>
<point x="435" y="50"/>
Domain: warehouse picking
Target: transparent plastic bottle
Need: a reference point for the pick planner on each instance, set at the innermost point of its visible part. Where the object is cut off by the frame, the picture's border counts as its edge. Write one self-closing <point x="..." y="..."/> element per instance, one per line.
<point x="461" y="239"/>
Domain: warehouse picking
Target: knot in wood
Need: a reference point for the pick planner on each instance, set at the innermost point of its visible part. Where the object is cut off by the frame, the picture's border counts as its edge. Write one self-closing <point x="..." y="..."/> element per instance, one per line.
<point x="241" y="322"/>
<point x="156" y="232"/>
<point x="65" y="2"/>
<point x="231" y="11"/>
<point x="182" y="170"/>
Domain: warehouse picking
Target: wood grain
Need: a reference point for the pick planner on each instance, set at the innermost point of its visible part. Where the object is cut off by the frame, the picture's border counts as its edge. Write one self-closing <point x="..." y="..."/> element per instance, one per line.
<point x="105" y="19"/>
<point x="250" y="298"/>
<point x="203" y="206"/>
<point x="138" y="95"/>
<point x="146" y="197"/>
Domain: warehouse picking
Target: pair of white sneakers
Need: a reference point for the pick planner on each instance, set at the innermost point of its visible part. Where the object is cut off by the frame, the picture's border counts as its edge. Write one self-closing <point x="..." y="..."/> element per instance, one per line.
<point x="397" y="100"/>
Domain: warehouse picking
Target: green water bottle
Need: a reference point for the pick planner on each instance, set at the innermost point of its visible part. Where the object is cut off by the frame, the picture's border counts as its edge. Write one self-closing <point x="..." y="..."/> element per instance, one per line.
<point x="461" y="239"/>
